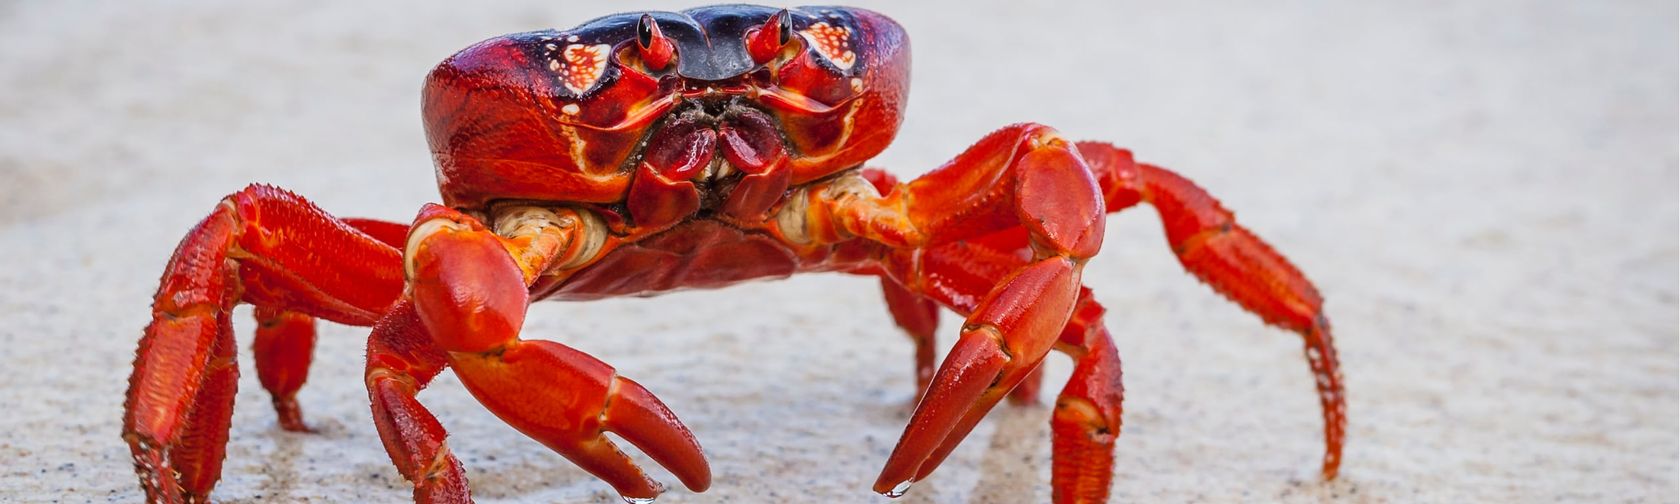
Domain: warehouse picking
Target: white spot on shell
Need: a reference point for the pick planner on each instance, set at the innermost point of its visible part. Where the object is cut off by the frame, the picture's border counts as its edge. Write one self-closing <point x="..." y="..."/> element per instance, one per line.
<point x="832" y="42"/>
<point x="582" y="66"/>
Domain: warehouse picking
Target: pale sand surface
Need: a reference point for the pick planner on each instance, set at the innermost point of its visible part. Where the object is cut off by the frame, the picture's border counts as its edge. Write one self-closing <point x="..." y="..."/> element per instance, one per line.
<point x="1485" y="191"/>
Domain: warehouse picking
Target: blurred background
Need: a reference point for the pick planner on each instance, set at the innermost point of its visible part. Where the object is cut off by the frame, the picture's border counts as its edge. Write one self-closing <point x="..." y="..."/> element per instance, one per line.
<point x="1486" y="192"/>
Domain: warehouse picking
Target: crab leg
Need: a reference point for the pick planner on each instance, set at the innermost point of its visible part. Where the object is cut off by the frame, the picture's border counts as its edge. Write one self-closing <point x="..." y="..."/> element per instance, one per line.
<point x="1087" y="418"/>
<point x="468" y="286"/>
<point x="261" y="245"/>
<point x="282" y="350"/>
<point x="285" y="339"/>
<point x="920" y="318"/>
<point x="1236" y="263"/>
<point x="916" y="314"/>
<point x="402" y="361"/>
<point x="197" y="455"/>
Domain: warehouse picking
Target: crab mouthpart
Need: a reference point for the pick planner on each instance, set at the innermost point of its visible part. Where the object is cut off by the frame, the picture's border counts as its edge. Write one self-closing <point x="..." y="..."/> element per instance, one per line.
<point x="712" y="141"/>
<point x="719" y="168"/>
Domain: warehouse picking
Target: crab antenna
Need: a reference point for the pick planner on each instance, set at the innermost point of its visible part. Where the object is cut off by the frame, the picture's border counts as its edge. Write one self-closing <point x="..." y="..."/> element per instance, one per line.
<point x="656" y="49"/>
<point x="765" y="41"/>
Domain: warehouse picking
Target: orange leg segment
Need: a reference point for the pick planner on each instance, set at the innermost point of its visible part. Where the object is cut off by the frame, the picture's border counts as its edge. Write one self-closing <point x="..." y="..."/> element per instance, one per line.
<point x="198" y="456"/>
<point x="282" y="349"/>
<point x="1228" y="257"/>
<point x="401" y="362"/>
<point x="919" y="317"/>
<point x="263" y="246"/>
<point x="285" y="340"/>
<point x="1086" y="422"/>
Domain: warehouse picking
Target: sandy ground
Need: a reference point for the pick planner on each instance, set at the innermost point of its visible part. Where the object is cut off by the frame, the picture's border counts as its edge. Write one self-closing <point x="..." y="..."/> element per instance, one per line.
<point x="1485" y="191"/>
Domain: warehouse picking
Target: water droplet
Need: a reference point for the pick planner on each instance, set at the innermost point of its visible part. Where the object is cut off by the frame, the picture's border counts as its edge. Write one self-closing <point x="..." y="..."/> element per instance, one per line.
<point x="639" y="500"/>
<point x="898" y="491"/>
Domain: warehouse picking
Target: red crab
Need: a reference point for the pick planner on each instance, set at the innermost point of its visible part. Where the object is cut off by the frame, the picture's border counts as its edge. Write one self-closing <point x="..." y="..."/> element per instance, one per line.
<point x="644" y="153"/>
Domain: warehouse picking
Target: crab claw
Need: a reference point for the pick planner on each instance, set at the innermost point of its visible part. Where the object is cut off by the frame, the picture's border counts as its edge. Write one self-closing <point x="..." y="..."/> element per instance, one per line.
<point x="1006" y="339"/>
<point x="470" y="294"/>
<point x="568" y="400"/>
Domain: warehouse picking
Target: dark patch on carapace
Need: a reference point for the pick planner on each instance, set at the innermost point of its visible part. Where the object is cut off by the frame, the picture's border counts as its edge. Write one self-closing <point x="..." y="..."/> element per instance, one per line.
<point x="711" y="40"/>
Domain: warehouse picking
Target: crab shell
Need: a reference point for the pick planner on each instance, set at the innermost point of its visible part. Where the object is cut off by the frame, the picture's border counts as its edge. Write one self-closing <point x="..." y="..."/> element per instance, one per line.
<point x="568" y="116"/>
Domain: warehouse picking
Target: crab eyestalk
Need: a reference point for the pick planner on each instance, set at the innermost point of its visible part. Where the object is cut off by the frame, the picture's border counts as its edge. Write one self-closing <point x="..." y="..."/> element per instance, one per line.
<point x="764" y="42"/>
<point x="655" y="48"/>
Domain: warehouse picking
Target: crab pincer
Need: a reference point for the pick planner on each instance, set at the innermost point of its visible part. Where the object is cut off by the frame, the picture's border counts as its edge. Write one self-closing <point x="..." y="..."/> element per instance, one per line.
<point x="471" y="295"/>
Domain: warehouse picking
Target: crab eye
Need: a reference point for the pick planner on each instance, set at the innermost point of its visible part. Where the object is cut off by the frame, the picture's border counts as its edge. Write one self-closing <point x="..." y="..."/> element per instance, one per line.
<point x="656" y="50"/>
<point x="784" y="28"/>
<point x="765" y="41"/>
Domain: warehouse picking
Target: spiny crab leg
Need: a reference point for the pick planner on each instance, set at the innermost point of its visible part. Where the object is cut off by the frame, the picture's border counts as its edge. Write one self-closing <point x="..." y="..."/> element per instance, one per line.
<point x="1239" y="265"/>
<point x="285" y="338"/>
<point x="469" y="287"/>
<point x="401" y="361"/>
<point x="180" y="395"/>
